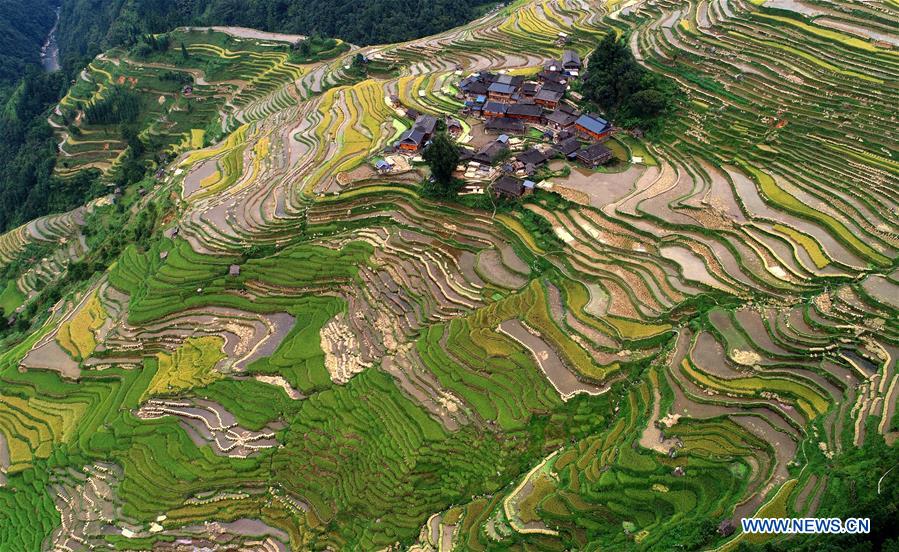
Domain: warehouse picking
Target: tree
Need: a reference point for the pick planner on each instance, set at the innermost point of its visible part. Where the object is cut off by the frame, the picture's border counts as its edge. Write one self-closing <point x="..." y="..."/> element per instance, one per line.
<point x="625" y="91"/>
<point x="184" y="53"/>
<point x="442" y="157"/>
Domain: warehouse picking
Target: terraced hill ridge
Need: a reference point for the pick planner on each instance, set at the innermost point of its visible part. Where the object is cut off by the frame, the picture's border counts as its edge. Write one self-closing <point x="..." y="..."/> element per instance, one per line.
<point x="291" y="351"/>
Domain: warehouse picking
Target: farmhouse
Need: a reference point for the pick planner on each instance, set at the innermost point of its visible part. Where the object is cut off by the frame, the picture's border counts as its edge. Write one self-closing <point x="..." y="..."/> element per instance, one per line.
<point x="453" y="126"/>
<point x="504" y="125"/>
<point x="494" y="109"/>
<point x="426" y="123"/>
<point x="549" y="98"/>
<point x="413" y="139"/>
<point x="526" y="111"/>
<point x="569" y="147"/>
<point x="473" y="86"/>
<point x="532" y="156"/>
<point x="562" y="118"/>
<point x="488" y="154"/>
<point x="595" y="155"/>
<point x="592" y="126"/>
<point x="571" y="61"/>
<point x="552" y="85"/>
<point x="556" y="77"/>
<point x="530" y="89"/>
<point x="508" y="186"/>
<point x="553" y="66"/>
<point x="501" y="92"/>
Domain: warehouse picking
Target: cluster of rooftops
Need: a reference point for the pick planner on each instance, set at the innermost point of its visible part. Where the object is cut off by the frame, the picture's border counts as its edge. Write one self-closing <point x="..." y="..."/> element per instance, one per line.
<point x="508" y="105"/>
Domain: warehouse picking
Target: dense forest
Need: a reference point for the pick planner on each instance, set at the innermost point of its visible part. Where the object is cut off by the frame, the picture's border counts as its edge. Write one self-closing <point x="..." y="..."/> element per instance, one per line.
<point x="88" y="26"/>
<point x="626" y="92"/>
<point x="24" y="25"/>
<point x="28" y="188"/>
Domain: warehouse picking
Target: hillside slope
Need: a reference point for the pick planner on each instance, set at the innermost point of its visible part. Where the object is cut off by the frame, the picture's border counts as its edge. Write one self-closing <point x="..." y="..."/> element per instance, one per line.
<point x="24" y="25"/>
<point x="87" y="26"/>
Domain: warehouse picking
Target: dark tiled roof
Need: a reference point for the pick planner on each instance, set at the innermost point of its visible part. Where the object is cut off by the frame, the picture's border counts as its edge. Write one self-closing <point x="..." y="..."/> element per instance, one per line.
<point x="489" y="152"/>
<point x="495" y="107"/>
<point x="570" y="57"/>
<point x="549" y="95"/>
<point x="426" y="123"/>
<point x="413" y="136"/>
<point x="500" y="88"/>
<point x="569" y="146"/>
<point x="508" y="185"/>
<point x="525" y="110"/>
<point x="504" y="125"/>
<point x="532" y="155"/>
<point x="474" y="88"/>
<point x="594" y="153"/>
<point x="553" y="85"/>
<point x="551" y="76"/>
<point x="561" y="117"/>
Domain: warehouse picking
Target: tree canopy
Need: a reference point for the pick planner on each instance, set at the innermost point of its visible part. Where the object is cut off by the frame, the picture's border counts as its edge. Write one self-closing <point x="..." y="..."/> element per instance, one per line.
<point x="24" y="25"/>
<point x="88" y="27"/>
<point x="624" y="90"/>
<point x="442" y="157"/>
<point x="28" y="188"/>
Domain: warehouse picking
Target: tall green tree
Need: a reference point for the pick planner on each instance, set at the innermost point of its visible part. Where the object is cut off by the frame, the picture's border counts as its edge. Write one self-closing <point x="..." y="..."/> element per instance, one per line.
<point x="625" y="91"/>
<point x="442" y="156"/>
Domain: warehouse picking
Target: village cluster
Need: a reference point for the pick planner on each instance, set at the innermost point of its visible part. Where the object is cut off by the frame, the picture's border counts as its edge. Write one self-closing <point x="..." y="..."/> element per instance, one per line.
<point x="508" y="106"/>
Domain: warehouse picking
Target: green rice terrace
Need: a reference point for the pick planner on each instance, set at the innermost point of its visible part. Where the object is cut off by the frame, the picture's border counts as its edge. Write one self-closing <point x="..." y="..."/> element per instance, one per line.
<point x="291" y="349"/>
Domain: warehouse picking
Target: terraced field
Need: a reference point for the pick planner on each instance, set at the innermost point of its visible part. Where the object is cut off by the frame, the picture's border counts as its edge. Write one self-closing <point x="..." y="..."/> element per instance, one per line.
<point x="308" y="355"/>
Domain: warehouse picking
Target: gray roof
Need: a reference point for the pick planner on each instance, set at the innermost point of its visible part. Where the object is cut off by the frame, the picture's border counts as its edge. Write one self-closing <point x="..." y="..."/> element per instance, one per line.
<point x="552" y="85"/>
<point x="474" y="87"/>
<point x="549" y="95"/>
<point x="530" y="88"/>
<point x="489" y="152"/>
<point x="503" y="124"/>
<point x="508" y="185"/>
<point x="500" y="88"/>
<point x="413" y="136"/>
<point x="532" y="155"/>
<point x="528" y="110"/>
<point x="426" y="123"/>
<point x="569" y="146"/>
<point x="561" y="117"/>
<point x="593" y="123"/>
<point x="595" y="152"/>
<point x="570" y="57"/>
<point x="495" y="107"/>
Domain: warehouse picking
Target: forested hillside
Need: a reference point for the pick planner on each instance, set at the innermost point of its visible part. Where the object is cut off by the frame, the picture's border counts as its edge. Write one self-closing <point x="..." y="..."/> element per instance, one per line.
<point x="88" y="26"/>
<point x="28" y="188"/>
<point x="24" y="25"/>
